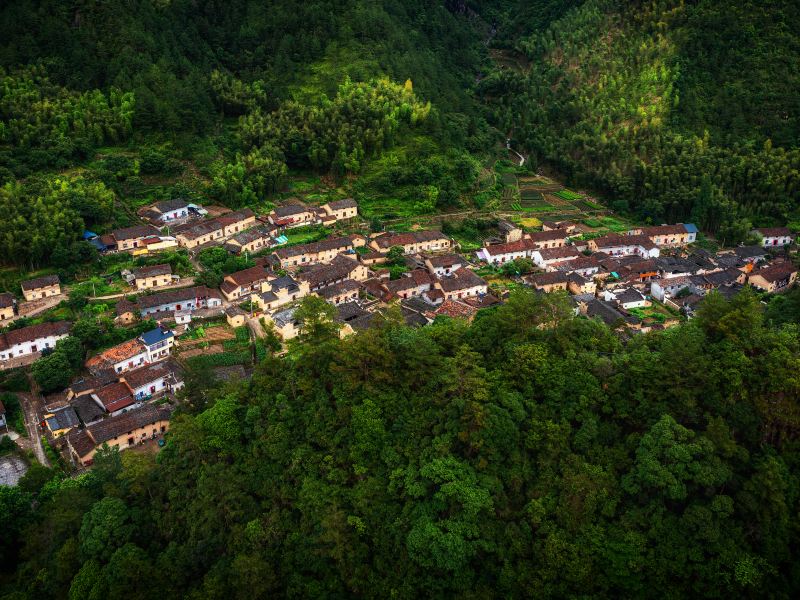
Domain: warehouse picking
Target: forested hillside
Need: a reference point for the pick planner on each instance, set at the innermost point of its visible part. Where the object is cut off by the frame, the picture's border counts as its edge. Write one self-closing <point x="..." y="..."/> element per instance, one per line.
<point x="676" y="110"/>
<point x="532" y="454"/>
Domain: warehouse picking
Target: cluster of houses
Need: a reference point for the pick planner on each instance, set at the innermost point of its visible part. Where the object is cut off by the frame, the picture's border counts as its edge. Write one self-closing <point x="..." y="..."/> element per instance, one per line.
<point x="121" y="387"/>
<point x="611" y="275"/>
<point x="238" y="231"/>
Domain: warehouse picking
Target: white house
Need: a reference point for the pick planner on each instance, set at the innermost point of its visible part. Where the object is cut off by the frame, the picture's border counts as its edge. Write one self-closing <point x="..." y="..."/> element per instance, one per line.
<point x="184" y="299"/>
<point x="627" y="298"/>
<point x="775" y="236"/>
<point x="158" y="342"/>
<point x="122" y="357"/>
<point x="625" y="245"/>
<point x="29" y="340"/>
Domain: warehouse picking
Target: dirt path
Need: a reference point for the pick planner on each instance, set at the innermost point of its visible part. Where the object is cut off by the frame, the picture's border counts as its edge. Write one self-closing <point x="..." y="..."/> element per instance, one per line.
<point x="33" y="405"/>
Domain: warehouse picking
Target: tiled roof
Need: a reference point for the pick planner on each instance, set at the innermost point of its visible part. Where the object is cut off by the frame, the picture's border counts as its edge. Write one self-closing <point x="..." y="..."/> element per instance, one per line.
<point x="339" y="268"/>
<point x="774" y="231"/>
<point x="114" y="427"/>
<point x="124" y="306"/>
<point x="33" y="332"/>
<point x="342" y="243"/>
<point x="147" y="374"/>
<point x="115" y="396"/>
<point x="80" y="442"/>
<point x="62" y="419"/>
<point x="456" y="309"/>
<point x="87" y="409"/>
<point x="551" y="278"/>
<point x="510" y="247"/>
<point x="414" y="237"/>
<point x="446" y="260"/>
<point x="559" y="253"/>
<point x="462" y="279"/>
<point x="343" y="287"/>
<point x="165" y="206"/>
<point x="250" y="276"/>
<point x="172" y="296"/>
<point x="615" y="240"/>
<point x="152" y="271"/>
<point x="548" y="236"/>
<point x="342" y="204"/>
<point x="663" y="230"/>
<point x="776" y="272"/>
<point x="287" y="210"/>
<point x="40" y="282"/>
<point x="135" y="232"/>
<point x="117" y="353"/>
<point x="6" y="300"/>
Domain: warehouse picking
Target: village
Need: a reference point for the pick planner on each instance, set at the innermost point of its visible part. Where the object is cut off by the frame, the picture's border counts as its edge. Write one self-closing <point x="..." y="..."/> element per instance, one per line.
<point x="643" y="279"/>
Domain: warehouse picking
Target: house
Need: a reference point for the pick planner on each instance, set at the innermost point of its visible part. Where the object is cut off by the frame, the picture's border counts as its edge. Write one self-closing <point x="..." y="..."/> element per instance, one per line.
<point x="279" y="292"/>
<point x="668" y="235"/>
<point x="509" y="231"/>
<point x="341" y="209"/>
<point x="120" y="358"/>
<point x="567" y="226"/>
<point x="199" y="234"/>
<point x="61" y="421"/>
<point x="750" y="254"/>
<point x="626" y="298"/>
<point x="607" y="313"/>
<point x="155" y="244"/>
<point x="725" y="277"/>
<point x="166" y="212"/>
<point x="292" y="215"/>
<point x="286" y="326"/>
<point x="577" y="284"/>
<point x="41" y="287"/>
<point x="114" y="398"/>
<point x="456" y="309"/>
<point x="339" y="269"/>
<point x="774" y="278"/>
<point x="462" y="283"/>
<point x="372" y="257"/>
<point x="251" y="240"/>
<point x="191" y="299"/>
<point x="129" y="238"/>
<point x="775" y="236"/>
<point x="315" y="252"/>
<point x="243" y="283"/>
<point x="444" y="264"/>
<point x="152" y="380"/>
<point x="625" y="245"/>
<point x="587" y="266"/>
<point x="235" y="316"/>
<point x="158" y="343"/>
<point x="352" y="316"/>
<point x="152" y="276"/>
<point x="548" y="282"/>
<point x="236" y="221"/>
<point x="27" y="341"/>
<point x="555" y="238"/>
<point x="126" y="312"/>
<point x="412" y="242"/>
<point x="344" y="291"/>
<point x="668" y="288"/>
<point x="121" y="432"/>
<point x="411" y="284"/>
<point x="87" y="409"/>
<point x="498" y="254"/>
<point x="545" y="257"/>
<point x="7" y="306"/>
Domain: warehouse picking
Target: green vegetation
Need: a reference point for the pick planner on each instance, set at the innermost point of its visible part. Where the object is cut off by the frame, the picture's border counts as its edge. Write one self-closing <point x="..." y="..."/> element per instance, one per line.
<point x="452" y="460"/>
<point x="674" y="110"/>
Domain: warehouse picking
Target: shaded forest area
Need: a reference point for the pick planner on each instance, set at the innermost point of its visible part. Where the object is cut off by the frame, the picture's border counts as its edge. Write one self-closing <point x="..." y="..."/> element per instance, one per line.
<point x="532" y="453"/>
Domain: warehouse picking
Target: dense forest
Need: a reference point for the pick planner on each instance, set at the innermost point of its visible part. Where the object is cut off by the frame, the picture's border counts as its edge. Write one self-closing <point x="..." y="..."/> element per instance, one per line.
<point x="675" y="110"/>
<point x="532" y="453"/>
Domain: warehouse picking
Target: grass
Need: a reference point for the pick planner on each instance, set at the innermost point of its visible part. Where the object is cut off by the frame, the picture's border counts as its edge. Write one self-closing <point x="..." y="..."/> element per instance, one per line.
<point x="530" y="222"/>
<point x="304" y="235"/>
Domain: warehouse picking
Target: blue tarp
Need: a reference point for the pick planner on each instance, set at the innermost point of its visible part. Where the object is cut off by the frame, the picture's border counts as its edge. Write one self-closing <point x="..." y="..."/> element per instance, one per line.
<point x="87" y="235"/>
<point x="281" y="239"/>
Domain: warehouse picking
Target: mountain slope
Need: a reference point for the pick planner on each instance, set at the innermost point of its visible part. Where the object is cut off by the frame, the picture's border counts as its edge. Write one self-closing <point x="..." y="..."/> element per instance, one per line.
<point x="603" y="102"/>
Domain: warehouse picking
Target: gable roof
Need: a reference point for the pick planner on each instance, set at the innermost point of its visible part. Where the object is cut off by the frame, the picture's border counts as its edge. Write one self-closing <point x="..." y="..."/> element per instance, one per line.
<point x="615" y="240"/>
<point x="40" y="282"/>
<point x="114" y="427"/>
<point x="388" y="240"/>
<point x="287" y="210"/>
<point x="62" y="419"/>
<point x="342" y="204"/>
<point x="774" y="231"/>
<point x="133" y="233"/>
<point x="172" y="296"/>
<point x="165" y="206"/>
<point x="336" y="243"/>
<point x="776" y="272"/>
<point x="147" y="374"/>
<point x="115" y="396"/>
<point x="117" y="353"/>
<point x="33" y="332"/>
<point x="6" y="300"/>
<point x="152" y="271"/>
<point x="462" y="279"/>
